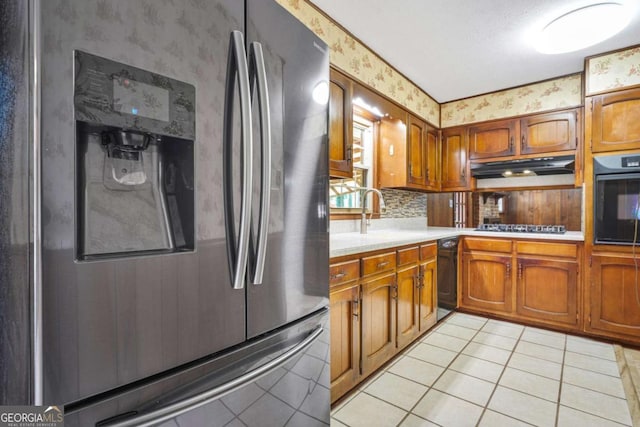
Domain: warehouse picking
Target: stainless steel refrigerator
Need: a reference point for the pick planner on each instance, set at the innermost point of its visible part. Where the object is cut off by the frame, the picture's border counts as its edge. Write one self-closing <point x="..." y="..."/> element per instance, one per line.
<point x="166" y="218"/>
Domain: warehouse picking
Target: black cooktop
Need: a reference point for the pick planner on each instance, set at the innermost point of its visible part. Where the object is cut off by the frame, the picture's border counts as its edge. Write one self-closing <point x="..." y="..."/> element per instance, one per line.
<point x="523" y="228"/>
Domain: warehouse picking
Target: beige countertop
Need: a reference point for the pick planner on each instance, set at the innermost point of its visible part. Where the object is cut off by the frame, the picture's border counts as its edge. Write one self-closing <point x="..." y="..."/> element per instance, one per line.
<point x="349" y="243"/>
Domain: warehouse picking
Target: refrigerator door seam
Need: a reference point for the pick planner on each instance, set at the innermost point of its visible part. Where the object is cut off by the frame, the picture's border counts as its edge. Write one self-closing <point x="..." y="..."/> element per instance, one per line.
<point x="37" y="337"/>
<point x="258" y="75"/>
<point x="238" y="251"/>
<point x="188" y="404"/>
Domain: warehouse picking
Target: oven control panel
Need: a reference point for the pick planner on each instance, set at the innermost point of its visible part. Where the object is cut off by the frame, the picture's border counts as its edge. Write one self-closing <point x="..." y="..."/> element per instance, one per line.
<point x="631" y="162"/>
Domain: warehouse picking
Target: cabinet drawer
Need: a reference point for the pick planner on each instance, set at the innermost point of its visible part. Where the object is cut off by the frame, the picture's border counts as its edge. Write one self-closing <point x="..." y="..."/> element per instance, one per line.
<point x="407" y="256"/>
<point x="428" y="251"/>
<point x="488" y="245"/>
<point x="378" y="263"/>
<point x="344" y="272"/>
<point x="567" y="250"/>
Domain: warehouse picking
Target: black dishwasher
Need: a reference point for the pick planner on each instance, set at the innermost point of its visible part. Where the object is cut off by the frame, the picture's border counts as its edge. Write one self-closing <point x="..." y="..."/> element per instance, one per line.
<point x="447" y="276"/>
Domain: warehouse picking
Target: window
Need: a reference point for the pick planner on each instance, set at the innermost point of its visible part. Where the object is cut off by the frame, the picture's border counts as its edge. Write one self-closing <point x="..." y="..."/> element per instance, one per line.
<point x="345" y="194"/>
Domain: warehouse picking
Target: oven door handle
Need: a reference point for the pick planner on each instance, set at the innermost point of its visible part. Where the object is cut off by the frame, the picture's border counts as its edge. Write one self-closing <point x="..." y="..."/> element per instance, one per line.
<point x="173" y="410"/>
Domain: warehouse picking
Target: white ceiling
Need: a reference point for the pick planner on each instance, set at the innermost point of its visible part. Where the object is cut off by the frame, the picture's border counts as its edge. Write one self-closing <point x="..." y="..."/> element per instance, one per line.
<point x="454" y="49"/>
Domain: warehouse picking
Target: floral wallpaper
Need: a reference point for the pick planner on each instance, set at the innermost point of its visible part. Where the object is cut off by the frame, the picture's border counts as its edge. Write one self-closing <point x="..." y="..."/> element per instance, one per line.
<point x="613" y="71"/>
<point x="564" y="92"/>
<point x="357" y="60"/>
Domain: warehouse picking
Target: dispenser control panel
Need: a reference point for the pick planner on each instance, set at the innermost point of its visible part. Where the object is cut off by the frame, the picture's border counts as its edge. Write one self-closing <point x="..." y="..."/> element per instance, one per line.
<point x="118" y="95"/>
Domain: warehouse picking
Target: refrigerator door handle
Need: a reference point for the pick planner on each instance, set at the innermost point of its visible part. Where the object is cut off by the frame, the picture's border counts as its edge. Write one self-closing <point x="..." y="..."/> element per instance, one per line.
<point x="173" y="410"/>
<point x="258" y="77"/>
<point x="237" y="250"/>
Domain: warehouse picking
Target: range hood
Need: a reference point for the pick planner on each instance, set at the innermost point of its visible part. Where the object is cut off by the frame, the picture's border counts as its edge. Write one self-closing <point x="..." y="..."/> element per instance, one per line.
<point x="559" y="165"/>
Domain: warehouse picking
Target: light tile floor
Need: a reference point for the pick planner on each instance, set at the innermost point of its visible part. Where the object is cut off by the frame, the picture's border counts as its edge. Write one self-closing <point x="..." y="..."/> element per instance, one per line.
<point x="473" y="371"/>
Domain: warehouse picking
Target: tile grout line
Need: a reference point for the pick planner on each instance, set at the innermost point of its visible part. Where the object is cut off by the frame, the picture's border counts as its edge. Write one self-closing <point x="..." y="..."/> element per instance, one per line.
<point x="496" y="384"/>
<point x="564" y="355"/>
<point x="441" y="374"/>
<point x="504" y="368"/>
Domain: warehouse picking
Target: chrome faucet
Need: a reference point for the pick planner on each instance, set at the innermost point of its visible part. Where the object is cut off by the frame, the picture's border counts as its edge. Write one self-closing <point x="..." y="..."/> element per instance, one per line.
<point x="363" y="221"/>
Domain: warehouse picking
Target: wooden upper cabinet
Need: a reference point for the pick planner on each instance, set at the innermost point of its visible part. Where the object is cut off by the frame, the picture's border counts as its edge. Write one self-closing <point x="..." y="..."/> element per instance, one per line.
<point x="340" y="126"/>
<point x="392" y="153"/>
<point x="408" y="155"/>
<point x="493" y="139"/>
<point x="432" y="160"/>
<point x="455" y="150"/>
<point x="614" y="121"/>
<point x="544" y="133"/>
<point x="416" y="153"/>
<point x="547" y="290"/>
<point x="613" y="300"/>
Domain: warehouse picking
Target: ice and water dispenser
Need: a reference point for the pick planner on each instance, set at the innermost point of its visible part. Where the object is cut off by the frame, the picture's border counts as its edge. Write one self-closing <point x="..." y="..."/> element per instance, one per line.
<point x="135" y="133"/>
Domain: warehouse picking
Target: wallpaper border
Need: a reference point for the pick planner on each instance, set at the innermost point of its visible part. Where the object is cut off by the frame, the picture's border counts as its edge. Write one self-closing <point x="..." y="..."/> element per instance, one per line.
<point x="530" y="98"/>
<point x="603" y="67"/>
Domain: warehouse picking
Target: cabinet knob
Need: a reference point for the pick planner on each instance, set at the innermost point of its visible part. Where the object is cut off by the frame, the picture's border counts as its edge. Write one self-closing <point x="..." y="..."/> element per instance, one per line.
<point x="522" y="142"/>
<point x="383" y="264"/>
<point x="356" y="306"/>
<point x="508" y="266"/>
<point x="338" y="275"/>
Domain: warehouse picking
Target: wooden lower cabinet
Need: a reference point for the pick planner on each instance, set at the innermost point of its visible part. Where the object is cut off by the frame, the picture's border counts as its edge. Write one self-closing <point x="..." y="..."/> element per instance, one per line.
<point x="547" y="290"/>
<point x="614" y="297"/>
<point x="378" y="308"/>
<point x="345" y="338"/>
<point x="529" y="281"/>
<point x="407" y="306"/>
<point x="427" y="295"/>
<point x="486" y="282"/>
<point x="378" y="317"/>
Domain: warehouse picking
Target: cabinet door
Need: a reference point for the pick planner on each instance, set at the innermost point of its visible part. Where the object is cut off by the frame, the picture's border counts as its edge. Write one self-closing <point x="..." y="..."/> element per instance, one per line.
<point x="378" y="322"/>
<point x="495" y="139"/>
<point x="454" y="160"/>
<point x="340" y="126"/>
<point x="407" y="306"/>
<point x="545" y="133"/>
<point x="345" y="339"/>
<point x="547" y="290"/>
<point x="615" y="124"/>
<point x="416" y="153"/>
<point x="486" y="282"/>
<point x="427" y="295"/>
<point x="614" y="296"/>
<point x="392" y="152"/>
<point x="432" y="159"/>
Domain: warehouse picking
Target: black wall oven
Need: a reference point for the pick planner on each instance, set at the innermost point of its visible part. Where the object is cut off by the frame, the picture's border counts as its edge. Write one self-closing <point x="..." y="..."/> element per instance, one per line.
<point x="616" y="205"/>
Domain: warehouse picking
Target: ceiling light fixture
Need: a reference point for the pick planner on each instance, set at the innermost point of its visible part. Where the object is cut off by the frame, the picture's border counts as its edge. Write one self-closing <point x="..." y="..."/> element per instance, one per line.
<point x="583" y="27"/>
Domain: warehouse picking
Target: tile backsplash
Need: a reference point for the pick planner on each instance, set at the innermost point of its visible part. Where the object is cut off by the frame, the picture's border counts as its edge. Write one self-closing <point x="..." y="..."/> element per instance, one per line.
<point x="404" y="204"/>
